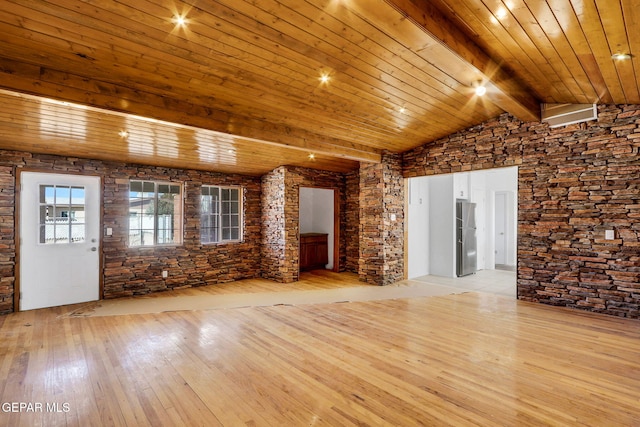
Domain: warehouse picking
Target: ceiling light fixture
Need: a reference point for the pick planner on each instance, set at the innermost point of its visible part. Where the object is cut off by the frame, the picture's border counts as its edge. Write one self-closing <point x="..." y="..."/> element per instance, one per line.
<point x="481" y="90"/>
<point x="620" y="56"/>
<point x="403" y="110"/>
<point x="123" y="133"/>
<point x="501" y="13"/>
<point x="180" y="20"/>
<point x="312" y="156"/>
<point x="324" y="78"/>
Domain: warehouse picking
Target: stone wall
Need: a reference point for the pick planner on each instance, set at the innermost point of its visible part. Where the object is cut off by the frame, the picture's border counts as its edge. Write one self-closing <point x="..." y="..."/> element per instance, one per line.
<point x="352" y="230"/>
<point x="574" y="183"/>
<point x="7" y="234"/>
<point x="381" y="215"/>
<point x="132" y="271"/>
<point x="274" y="263"/>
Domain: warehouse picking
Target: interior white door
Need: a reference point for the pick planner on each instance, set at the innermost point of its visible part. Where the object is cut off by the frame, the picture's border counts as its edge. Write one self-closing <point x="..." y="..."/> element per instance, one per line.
<point x="59" y="239"/>
<point x="501" y="228"/>
<point x="478" y="197"/>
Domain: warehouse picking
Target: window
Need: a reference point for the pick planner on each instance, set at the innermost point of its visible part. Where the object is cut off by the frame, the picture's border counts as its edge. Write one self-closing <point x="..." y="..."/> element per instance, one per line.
<point x="61" y="214"/>
<point x="220" y="214"/>
<point x="155" y="213"/>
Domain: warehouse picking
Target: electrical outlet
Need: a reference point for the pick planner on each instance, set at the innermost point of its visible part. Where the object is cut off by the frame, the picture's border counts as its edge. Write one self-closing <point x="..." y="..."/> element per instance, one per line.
<point x="609" y="234"/>
<point x="165" y="274"/>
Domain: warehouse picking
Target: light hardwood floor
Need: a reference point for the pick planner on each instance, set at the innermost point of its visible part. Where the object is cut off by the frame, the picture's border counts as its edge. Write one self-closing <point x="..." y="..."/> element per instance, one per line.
<point x="467" y="359"/>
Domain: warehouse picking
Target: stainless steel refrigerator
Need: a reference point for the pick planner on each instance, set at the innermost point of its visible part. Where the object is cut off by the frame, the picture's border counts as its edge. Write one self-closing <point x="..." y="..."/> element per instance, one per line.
<point x="466" y="251"/>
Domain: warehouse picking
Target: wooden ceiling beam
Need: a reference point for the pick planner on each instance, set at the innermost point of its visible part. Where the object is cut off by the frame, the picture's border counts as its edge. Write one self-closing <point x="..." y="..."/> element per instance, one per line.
<point x="502" y="88"/>
<point x="37" y="80"/>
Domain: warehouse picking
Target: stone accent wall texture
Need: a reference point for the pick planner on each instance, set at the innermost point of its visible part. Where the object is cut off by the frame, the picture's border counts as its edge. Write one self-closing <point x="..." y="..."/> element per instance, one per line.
<point x="381" y="260"/>
<point x="134" y="271"/>
<point x="574" y="183"/>
<point x="7" y="234"/>
<point x="281" y="218"/>
<point x="274" y="263"/>
<point x="352" y="231"/>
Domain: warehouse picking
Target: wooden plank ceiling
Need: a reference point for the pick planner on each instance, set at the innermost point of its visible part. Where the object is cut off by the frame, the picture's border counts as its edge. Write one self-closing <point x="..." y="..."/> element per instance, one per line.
<point x="238" y="87"/>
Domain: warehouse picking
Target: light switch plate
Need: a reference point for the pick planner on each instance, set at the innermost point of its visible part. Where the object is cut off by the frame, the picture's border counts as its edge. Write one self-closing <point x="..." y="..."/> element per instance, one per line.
<point x="609" y="234"/>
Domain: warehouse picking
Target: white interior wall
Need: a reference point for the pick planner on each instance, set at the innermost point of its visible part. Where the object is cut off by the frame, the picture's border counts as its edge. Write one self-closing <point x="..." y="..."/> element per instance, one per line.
<point x="317" y="215"/>
<point x="479" y="197"/>
<point x="418" y="217"/>
<point x="442" y="230"/>
<point x="461" y="185"/>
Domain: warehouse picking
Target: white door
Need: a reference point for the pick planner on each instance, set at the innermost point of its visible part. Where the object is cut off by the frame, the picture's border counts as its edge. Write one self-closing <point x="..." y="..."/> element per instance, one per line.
<point x="477" y="197"/>
<point x="59" y="239"/>
<point x="501" y="228"/>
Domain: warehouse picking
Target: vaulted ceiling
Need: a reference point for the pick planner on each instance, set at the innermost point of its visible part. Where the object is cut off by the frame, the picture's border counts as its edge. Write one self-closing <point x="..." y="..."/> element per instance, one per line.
<point x="246" y="86"/>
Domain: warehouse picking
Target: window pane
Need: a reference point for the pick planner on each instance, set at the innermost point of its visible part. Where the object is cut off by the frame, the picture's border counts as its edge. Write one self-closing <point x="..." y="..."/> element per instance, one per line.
<point x="77" y="232"/>
<point x="148" y="187"/>
<point x="77" y="196"/>
<point x="235" y="234"/>
<point x="46" y="194"/>
<point x="135" y="186"/>
<point x="165" y="205"/>
<point x="63" y="196"/>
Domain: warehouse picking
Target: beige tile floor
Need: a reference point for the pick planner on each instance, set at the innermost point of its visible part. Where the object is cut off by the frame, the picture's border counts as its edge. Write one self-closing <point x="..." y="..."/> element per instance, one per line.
<point x="499" y="282"/>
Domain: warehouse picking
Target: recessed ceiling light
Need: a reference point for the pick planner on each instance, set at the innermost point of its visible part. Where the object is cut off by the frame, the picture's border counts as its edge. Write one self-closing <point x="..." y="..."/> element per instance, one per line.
<point x="123" y="133"/>
<point x="312" y="156"/>
<point x="180" y="20"/>
<point x="402" y="110"/>
<point x="501" y="13"/>
<point x="481" y="90"/>
<point x="324" y="78"/>
<point x="620" y="56"/>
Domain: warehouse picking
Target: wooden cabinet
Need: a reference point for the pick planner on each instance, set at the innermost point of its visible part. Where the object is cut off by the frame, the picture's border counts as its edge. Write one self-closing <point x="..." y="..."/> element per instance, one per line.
<point x="314" y="251"/>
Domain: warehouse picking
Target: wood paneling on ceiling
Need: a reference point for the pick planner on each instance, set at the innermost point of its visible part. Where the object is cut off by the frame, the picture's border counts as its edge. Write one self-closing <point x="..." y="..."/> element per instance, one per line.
<point x="400" y="74"/>
<point x="561" y="49"/>
<point x="30" y="123"/>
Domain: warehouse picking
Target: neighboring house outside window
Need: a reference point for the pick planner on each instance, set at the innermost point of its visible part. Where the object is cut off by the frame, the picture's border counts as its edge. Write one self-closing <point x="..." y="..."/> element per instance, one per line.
<point x="155" y="213"/>
<point x="220" y="214"/>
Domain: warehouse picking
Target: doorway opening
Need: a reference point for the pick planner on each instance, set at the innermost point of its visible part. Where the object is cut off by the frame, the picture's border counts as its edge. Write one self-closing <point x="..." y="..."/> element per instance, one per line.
<point x="319" y="229"/>
<point x="432" y="237"/>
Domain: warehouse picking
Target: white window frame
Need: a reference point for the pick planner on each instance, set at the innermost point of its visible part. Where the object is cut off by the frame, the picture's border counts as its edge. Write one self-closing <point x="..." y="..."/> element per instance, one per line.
<point x="178" y="231"/>
<point x="216" y="224"/>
